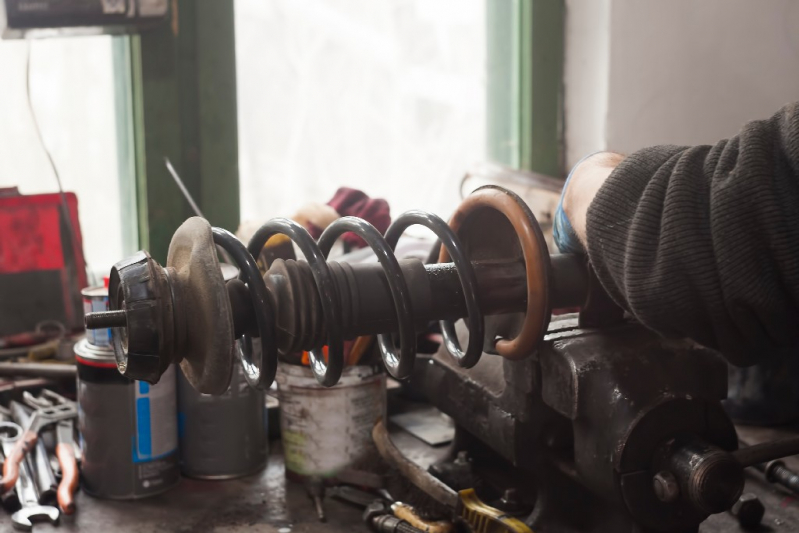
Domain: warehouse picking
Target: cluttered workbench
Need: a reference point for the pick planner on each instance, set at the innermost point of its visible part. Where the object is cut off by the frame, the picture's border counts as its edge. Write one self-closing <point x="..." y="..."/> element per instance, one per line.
<point x="545" y="409"/>
<point x="266" y="502"/>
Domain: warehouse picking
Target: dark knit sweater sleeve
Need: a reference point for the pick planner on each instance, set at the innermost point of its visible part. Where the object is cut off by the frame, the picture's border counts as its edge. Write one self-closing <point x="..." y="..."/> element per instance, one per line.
<point x="703" y="241"/>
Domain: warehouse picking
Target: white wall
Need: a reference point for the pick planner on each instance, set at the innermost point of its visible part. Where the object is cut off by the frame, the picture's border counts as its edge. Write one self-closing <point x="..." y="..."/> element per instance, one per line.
<point x="645" y="72"/>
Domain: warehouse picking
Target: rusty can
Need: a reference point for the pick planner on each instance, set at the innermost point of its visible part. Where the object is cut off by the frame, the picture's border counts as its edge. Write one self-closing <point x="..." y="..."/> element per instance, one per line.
<point x="96" y="299"/>
<point x="326" y="430"/>
<point x="128" y="428"/>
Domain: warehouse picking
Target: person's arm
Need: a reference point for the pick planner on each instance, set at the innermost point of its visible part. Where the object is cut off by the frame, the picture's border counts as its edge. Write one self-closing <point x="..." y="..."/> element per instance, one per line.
<point x="701" y="242"/>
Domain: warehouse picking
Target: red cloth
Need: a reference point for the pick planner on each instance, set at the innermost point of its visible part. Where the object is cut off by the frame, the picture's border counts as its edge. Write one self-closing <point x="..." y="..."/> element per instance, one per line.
<point x="355" y="203"/>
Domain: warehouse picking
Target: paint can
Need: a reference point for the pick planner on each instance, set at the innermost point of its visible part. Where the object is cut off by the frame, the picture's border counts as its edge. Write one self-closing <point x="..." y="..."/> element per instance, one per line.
<point x="96" y="299"/>
<point x="128" y="428"/>
<point x="326" y="430"/>
<point x="221" y="437"/>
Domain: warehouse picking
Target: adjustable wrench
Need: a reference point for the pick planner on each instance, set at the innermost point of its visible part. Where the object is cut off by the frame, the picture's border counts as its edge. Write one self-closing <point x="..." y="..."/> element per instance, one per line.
<point x="31" y="511"/>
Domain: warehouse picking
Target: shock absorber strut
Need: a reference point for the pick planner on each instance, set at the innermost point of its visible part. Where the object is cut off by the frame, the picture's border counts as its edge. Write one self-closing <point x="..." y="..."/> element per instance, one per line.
<point x="494" y="271"/>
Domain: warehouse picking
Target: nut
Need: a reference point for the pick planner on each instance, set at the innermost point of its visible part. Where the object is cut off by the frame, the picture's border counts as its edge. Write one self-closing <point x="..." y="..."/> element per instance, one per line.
<point x="749" y="510"/>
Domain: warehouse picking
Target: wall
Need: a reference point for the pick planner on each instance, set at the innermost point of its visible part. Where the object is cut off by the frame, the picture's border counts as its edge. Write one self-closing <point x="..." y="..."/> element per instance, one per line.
<point x="640" y="73"/>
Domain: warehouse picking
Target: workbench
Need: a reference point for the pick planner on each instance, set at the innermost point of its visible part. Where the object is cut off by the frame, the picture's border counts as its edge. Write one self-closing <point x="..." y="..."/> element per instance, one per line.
<point x="266" y="503"/>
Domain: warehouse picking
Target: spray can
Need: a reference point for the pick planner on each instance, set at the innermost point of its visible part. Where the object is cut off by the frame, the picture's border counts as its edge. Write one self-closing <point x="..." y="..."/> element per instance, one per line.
<point x="329" y="429"/>
<point x="221" y="437"/>
<point x="128" y="428"/>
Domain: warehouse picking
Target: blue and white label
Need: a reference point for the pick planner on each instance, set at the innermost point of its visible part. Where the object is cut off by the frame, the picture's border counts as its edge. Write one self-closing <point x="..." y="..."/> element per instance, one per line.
<point x="156" y="418"/>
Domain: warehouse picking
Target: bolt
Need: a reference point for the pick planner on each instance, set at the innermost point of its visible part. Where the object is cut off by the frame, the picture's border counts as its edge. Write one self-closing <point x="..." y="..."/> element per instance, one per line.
<point x="462" y="458"/>
<point x="666" y="488"/>
<point x="749" y="510"/>
<point x="106" y="319"/>
<point x="777" y="472"/>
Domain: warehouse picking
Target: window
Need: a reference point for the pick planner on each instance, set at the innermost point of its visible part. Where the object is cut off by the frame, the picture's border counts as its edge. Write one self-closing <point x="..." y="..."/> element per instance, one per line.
<point x="388" y="97"/>
<point x="73" y="93"/>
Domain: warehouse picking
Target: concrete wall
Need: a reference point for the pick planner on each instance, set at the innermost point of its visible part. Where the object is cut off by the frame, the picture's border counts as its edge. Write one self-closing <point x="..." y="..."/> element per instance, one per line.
<point x="644" y="72"/>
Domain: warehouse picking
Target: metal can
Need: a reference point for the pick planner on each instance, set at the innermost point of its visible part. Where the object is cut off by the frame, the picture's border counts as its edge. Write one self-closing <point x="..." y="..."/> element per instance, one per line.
<point x="326" y="430"/>
<point x="96" y="299"/>
<point x="221" y="437"/>
<point x="128" y="428"/>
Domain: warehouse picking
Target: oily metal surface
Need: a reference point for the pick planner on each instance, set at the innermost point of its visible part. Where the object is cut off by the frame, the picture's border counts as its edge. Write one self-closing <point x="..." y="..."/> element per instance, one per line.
<point x="202" y="307"/>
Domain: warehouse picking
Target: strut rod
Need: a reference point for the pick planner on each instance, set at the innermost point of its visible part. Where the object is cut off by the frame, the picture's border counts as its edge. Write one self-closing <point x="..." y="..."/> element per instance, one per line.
<point x="365" y="298"/>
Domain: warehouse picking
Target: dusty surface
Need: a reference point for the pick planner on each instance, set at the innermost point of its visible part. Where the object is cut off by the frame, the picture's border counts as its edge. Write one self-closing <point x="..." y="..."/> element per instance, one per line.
<point x="264" y="503"/>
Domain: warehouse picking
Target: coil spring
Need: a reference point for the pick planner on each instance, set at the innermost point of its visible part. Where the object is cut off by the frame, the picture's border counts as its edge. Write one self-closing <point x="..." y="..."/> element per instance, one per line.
<point x="399" y="365"/>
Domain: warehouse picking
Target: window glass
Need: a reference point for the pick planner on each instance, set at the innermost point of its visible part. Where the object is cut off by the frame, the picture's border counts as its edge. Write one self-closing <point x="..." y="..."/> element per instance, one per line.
<point x="73" y="95"/>
<point x="388" y="97"/>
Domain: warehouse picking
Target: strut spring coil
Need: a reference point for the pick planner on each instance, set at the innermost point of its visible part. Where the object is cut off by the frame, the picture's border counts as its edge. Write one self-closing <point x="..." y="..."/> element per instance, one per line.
<point x="398" y="363"/>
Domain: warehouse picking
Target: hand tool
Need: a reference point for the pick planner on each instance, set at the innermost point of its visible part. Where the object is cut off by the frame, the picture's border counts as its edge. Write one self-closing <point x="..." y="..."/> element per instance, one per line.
<point x="65" y="447"/>
<point x="9" y="500"/>
<point x="31" y="511"/>
<point x="41" y="418"/>
<point x="38" y="461"/>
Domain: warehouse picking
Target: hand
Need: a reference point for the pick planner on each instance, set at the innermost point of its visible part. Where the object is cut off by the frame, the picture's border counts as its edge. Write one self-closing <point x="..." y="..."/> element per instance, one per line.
<point x="581" y="186"/>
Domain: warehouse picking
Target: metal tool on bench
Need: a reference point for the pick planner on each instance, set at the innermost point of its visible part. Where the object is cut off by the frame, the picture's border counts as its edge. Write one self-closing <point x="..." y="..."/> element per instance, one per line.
<point x="591" y="409"/>
<point x="41" y="418"/>
<point x="65" y="446"/>
<point x="9" y="500"/>
<point x="44" y="477"/>
<point x="31" y="511"/>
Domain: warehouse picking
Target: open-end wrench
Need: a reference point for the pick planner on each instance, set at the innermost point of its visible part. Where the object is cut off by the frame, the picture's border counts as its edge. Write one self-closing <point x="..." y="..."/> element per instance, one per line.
<point x="9" y="501"/>
<point x="39" y="465"/>
<point x="31" y="511"/>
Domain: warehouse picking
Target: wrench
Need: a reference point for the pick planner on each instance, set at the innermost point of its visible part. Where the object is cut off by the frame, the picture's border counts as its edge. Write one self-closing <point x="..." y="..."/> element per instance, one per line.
<point x="31" y="511"/>
<point x="27" y="441"/>
<point x="39" y="466"/>
<point x="8" y="501"/>
<point x="65" y="449"/>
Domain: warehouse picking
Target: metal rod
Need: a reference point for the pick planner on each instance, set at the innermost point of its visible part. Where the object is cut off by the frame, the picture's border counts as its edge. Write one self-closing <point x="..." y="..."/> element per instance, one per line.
<point x="193" y="204"/>
<point x="182" y="188"/>
<point x="767" y="451"/>
<point x="418" y="476"/>
<point x="106" y="319"/>
<point x="39" y="370"/>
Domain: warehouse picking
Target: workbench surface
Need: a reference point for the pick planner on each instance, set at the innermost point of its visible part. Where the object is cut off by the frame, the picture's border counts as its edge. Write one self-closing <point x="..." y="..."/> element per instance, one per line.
<point x="266" y="503"/>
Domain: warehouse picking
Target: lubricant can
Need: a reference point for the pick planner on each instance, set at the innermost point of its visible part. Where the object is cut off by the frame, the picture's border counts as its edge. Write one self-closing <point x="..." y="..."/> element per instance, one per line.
<point x="221" y="437"/>
<point x="96" y="299"/>
<point x="128" y="428"/>
<point x="326" y="430"/>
